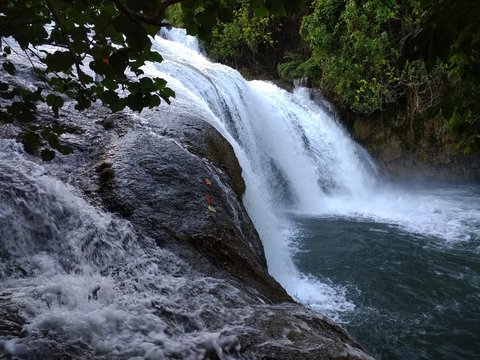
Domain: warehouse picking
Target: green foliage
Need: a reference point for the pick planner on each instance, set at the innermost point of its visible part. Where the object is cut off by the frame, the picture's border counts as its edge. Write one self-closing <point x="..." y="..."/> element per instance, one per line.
<point x="109" y="38"/>
<point x="355" y="43"/>
<point x="414" y="58"/>
<point x="446" y="29"/>
<point x="255" y="40"/>
<point x="110" y="42"/>
<point x="43" y="141"/>
<point x="297" y="68"/>
<point x="175" y="16"/>
<point x="449" y="31"/>
<point x="244" y="34"/>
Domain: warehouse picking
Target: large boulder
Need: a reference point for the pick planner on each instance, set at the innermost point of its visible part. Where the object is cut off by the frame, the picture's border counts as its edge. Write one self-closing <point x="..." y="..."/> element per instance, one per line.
<point x="182" y="185"/>
<point x="179" y="184"/>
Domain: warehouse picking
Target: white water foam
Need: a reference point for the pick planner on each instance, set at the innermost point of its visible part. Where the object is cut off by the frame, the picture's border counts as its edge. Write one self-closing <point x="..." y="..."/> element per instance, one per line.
<point x="451" y="214"/>
<point x="85" y="281"/>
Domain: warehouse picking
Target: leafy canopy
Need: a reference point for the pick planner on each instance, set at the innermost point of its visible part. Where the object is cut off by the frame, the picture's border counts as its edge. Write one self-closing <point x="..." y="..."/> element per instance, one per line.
<point x="243" y="34"/>
<point x="356" y="46"/>
<point x="92" y="51"/>
<point x="413" y="58"/>
<point x="449" y="32"/>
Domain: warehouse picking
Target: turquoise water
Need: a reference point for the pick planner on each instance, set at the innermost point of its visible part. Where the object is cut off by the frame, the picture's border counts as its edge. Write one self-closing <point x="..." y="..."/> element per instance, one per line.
<point x="416" y="296"/>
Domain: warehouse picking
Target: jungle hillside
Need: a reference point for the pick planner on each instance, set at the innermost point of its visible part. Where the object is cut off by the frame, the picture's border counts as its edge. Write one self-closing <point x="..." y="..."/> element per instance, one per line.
<point x="401" y="62"/>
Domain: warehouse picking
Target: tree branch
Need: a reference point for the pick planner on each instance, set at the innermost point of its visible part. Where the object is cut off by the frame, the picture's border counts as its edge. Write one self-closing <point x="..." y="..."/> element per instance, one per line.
<point x="72" y="52"/>
<point x="155" y="19"/>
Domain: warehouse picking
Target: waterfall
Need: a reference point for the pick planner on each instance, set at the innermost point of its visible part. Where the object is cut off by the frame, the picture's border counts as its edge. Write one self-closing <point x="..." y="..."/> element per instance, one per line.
<point x="85" y="280"/>
<point x="293" y="154"/>
<point x="299" y="163"/>
<point x="296" y="158"/>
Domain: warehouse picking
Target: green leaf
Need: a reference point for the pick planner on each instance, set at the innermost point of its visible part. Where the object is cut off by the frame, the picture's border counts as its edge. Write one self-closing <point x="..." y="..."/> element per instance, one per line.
<point x="259" y="8"/>
<point x="87" y="79"/>
<point x="54" y="101"/>
<point x="34" y="96"/>
<point x="110" y="83"/>
<point x="146" y="83"/>
<point x="9" y="67"/>
<point x="82" y="103"/>
<point x="51" y="138"/>
<point x="31" y="141"/>
<point x="22" y="110"/>
<point x="110" y="98"/>
<point x="154" y="101"/>
<point x="134" y="102"/>
<point x="58" y="129"/>
<point x="100" y="67"/>
<point x="117" y="105"/>
<point x="155" y="57"/>
<point x="160" y="83"/>
<point x="137" y="37"/>
<point x="78" y="17"/>
<point x="167" y="93"/>
<point x="119" y="60"/>
<point x="47" y="155"/>
<point x="59" y="61"/>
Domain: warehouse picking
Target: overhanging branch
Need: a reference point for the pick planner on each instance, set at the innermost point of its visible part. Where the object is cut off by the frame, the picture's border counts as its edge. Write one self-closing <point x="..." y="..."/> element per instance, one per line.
<point x="156" y="19"/>
<point x="60" y="23"/>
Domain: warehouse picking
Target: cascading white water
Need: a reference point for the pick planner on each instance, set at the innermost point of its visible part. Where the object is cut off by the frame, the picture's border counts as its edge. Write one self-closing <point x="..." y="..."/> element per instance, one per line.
<point x="86" y="281"/>
<point x="292" y="153"/>
<point x="295" y="158"/>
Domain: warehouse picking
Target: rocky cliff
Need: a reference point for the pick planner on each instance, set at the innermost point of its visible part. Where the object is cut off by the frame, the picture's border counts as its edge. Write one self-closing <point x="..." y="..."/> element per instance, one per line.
<point x="408" y="150"/>
<point x="428" y="152"/>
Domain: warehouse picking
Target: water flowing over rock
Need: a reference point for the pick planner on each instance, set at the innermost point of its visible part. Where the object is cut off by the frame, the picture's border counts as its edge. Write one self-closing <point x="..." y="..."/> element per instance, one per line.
<point x="185" y="187"/>
<point x="128" y="260"/>
<point x="144" y="243"/>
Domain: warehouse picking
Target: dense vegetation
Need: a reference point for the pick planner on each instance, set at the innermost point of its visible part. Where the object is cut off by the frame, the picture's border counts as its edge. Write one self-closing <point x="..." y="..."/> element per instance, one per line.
<point x="412" y="59"/>
<point x="95" y="53"/>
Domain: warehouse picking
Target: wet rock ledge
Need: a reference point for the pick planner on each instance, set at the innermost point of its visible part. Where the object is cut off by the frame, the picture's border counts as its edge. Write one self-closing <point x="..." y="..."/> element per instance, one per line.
<point x="177" y="180"/>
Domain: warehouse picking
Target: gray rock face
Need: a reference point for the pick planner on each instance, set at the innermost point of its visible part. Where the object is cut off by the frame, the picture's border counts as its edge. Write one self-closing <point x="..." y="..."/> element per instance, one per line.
<point x="428" y="152"/>
<point x="178" y="188"/>
<point x="181" y="186"/>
